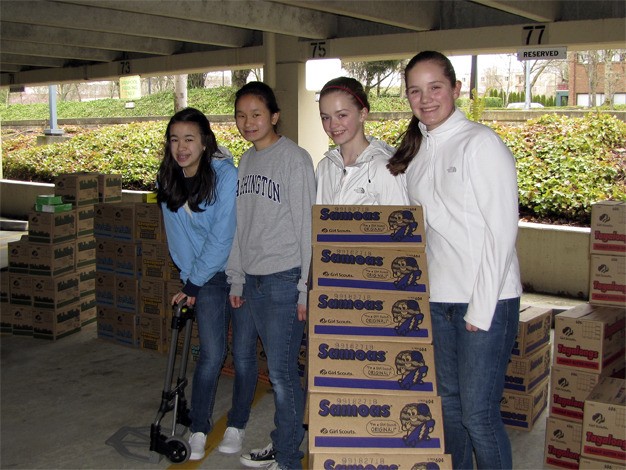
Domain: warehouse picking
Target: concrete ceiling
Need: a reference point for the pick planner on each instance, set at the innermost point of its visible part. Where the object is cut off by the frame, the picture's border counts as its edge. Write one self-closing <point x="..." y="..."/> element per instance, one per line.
<point x="52" y="41"/>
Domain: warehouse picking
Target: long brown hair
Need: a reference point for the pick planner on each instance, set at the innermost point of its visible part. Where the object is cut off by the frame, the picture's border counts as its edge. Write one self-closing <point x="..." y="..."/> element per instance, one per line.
<point x="411" y="138"/>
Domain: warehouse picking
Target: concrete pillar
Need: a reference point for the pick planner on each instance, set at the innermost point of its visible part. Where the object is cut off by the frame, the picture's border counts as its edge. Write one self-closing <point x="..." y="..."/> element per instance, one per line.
<point x="300" y="120"/>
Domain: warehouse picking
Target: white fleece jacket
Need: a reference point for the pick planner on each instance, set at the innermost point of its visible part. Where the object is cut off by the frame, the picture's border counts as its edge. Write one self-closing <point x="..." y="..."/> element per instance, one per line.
<point x="366" y="182"/>
<point x="464" y="176"/>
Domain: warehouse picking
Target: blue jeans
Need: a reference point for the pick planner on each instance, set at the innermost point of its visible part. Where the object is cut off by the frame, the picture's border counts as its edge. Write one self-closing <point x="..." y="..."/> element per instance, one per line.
<point x="272" y="301"/>
<point x="213" y="314"/>
<point x="470" y="378"/>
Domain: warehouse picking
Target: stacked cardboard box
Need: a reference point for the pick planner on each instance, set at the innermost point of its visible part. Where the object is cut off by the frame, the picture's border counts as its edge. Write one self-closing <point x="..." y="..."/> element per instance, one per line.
<point x="371" y="373"/>
<point x="589" y="343"/>
<point x="588" y="346"/>
<point x="51" y="273"/>
<point x="526" y="382"/>
<point x="608" y="253"/>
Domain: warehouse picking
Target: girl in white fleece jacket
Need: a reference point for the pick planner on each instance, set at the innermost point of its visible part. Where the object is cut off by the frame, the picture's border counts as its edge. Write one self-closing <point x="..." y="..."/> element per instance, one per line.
<point x="355" y="171"/>
<point x="464" y="176"/>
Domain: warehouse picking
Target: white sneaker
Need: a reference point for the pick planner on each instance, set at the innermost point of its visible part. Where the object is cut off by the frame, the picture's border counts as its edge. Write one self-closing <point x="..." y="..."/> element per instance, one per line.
<point x="274" y="466"/>
<point x="259" y="458"/>
<point x="232" y="441"/>
<point x="197" y="442"/>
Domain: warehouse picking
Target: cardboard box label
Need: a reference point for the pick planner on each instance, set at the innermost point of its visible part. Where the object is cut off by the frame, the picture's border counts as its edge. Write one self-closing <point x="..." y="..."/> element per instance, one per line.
<point x="377" y="267"/>
<point x="608" y="227"/>
<point x="353" y="422"/>
<point x="394" y="316"/>
<point x="378" y="461"/>
<point x="533" y="331"/>
<point x="371" y="366"/>
<point x="369" y="225"/>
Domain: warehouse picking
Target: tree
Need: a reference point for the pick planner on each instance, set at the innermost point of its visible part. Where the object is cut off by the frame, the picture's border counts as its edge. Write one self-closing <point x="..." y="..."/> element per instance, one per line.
<point x="196" y="80"/>
<point x="239" y="77"/>
<point x="373" y="74"/>
<point x="180" y="92"/>
<point x="590" y="61"/>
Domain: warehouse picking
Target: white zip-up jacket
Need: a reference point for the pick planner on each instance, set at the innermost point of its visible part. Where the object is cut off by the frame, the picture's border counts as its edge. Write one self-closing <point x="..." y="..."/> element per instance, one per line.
<point x="367" y="182"/>
<point x="464" y="176"/>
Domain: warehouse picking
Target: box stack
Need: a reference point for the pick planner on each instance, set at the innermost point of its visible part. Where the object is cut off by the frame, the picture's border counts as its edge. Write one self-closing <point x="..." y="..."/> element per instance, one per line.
<point x="526" y="382"/>
<point x="588" y="357"/>
<point x="371" y="373"/>
<point x="51" y="291"/>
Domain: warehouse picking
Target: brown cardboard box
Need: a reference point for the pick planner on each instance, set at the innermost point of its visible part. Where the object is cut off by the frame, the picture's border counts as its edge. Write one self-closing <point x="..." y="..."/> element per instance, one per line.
<point x="19" y="255"/>
<point x="105" y="288"/>
<point x="22" y="319"/>
<point x="56" y="323"/>
<point x="109" y="187"/>
<point x="608" y="227"/>
<point x="47" y="227"/>
<point x="523" y="374"/>
<point x="55" y="291"/>
<point x="378" y="267"/>
<point x="562" y="449"/>
<point x="21" y="289"/>
<point x="85" y="216"/>
<point x="105" y="322"/>
<point x="369" y="225"/>
<point x="568" y="390"/>
<point x="348" y="313"/>
<point x="85" y="251"/>
<point x="52" y="259"/>
<point x="126" y="294"/>
<point x="156" y="261"/>
<point x="105" y="254"/>
<point x="152" y="334"/>
<point x="522" y="410"/>
<point x="126" y="328"/>
<point x="103" y="220"/>
<point x="371" y="366"/>
<point x="607" y="280"/>
<point x="87" y="280"/>
<point x="80" y="189"/>
<point x="152" y="299"/>
<point x="604" y="422"/>
<point x="127" y="258"/>
<point x="533" y="331"/>
<point x="589" y="337"/>
<point x="88" y="309"/>
<point x="393" y="422"/>
<point x="124" y="221"/>
<point x="570" y="387"/>
<point x="5" y="285"/>
<point x="378" y="461"/>
<point x="149" y="221"/>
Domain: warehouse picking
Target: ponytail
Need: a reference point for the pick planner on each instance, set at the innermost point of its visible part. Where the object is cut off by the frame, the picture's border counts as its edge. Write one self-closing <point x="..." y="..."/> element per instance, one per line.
<point x="410" y="142"/>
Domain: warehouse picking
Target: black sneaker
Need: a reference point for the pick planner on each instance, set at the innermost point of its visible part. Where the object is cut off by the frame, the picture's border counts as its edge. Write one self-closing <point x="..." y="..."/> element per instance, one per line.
<point x="259" y="458"/>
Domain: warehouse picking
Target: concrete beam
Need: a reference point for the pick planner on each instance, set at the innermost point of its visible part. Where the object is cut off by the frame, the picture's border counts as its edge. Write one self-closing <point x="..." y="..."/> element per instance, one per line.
<point x="415" y="16"/>
<point x="544" y="11"/>
<point x="76" y="38"/>
<point x="249" y="14"/>
<point x="55" y="50"/>
<point x="248" y="57"/>
<point x="92" y="18"/>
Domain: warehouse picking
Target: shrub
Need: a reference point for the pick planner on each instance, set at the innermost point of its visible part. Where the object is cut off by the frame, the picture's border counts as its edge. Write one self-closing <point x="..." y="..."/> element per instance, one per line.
<point x="564" y="164"/>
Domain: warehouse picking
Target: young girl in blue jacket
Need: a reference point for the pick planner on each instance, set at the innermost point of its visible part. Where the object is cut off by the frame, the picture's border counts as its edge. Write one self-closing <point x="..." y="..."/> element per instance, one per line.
<point x="197" y="181"/>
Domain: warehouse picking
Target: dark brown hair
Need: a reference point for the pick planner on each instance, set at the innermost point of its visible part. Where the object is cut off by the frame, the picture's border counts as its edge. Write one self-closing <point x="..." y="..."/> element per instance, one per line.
<point x="411" y="139"/>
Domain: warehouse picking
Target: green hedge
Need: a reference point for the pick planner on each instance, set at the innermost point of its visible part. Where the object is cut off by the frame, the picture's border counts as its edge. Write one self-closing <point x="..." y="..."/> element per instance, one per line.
<point x="564" y="164"/>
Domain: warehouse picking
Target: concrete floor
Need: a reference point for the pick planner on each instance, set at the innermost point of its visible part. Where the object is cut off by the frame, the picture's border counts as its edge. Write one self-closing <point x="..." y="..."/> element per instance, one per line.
<point x="62" y="401"/>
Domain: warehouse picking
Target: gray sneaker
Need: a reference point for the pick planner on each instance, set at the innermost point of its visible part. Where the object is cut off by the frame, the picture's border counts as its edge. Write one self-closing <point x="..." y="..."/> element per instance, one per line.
<point x="232" y="441"/>
<point x="259" y="458"/>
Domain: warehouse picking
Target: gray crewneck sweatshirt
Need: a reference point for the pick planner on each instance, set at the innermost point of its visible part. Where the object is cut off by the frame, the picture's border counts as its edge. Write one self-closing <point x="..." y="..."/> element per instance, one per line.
<point x="275" y="193"/>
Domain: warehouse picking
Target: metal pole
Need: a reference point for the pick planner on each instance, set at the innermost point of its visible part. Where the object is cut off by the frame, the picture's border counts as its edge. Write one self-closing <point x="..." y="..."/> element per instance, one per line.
<point x="527" y="100"/>
<point x="52" y="101"/>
